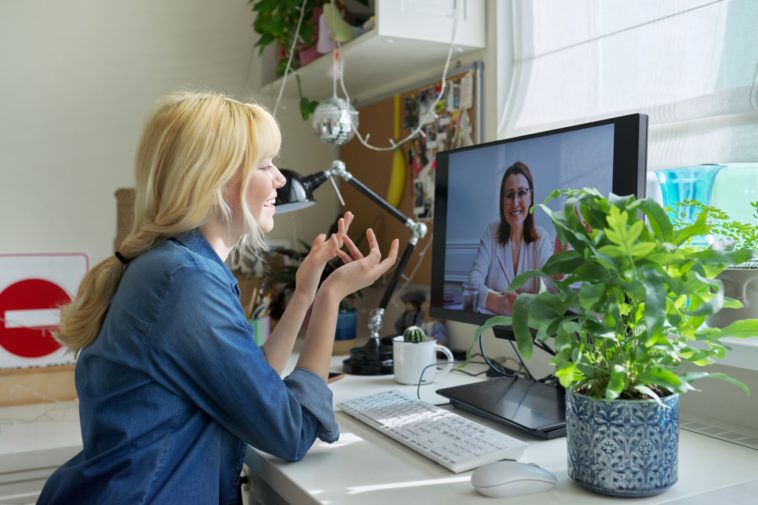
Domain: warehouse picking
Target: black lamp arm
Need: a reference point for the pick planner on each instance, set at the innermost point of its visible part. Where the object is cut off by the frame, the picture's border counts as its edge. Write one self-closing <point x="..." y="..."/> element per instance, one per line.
<point x="397" y="273"/>
<point x="378" y="200"/>
<point x="338" y="169"/>
<point x="418" y="231"/>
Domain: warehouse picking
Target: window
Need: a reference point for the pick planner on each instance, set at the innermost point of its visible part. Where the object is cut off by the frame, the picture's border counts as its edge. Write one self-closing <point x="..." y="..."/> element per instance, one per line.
<point x="691" y="65"/>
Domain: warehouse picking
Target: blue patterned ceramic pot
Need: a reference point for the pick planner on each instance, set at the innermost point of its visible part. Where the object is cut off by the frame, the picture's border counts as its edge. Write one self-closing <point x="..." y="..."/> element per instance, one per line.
<point x="623" y="447"/>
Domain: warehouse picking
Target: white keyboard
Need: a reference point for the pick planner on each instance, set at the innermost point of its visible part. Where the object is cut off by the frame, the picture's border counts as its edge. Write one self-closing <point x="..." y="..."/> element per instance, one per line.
<point x="453" y="441"/>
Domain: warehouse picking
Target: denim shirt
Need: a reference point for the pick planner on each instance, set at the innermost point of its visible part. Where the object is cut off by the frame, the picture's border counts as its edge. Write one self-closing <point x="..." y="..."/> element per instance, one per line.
<point x="174" y="387"/>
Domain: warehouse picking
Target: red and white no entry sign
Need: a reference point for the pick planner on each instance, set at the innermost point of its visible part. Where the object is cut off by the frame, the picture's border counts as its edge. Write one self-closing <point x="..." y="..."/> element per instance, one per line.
<point x="28" y="315"/>
<point x="33" y="287"/>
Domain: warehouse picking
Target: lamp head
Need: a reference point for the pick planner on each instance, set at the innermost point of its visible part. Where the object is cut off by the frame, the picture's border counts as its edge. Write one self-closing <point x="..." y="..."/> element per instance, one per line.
<point x="297" y="192"/>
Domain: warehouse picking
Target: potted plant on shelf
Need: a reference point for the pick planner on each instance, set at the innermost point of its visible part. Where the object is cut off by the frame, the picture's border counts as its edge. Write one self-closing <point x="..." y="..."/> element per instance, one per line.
<point x="276" y="22"/>
<point x="740" y="280"/>
<point x="626" y="306"/>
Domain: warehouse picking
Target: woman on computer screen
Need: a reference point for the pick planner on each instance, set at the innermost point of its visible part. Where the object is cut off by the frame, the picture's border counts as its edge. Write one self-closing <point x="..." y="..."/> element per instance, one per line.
<point x="171" y="384"/>
<point x="510" y="246"/>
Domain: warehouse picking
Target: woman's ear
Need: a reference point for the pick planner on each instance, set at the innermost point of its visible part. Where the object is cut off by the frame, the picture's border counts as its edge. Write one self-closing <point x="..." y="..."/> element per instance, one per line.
<point x="231" y="192"/>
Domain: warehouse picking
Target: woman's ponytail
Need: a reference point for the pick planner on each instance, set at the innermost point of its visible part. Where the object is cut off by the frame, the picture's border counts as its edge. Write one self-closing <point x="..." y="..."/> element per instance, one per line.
<point x="82" y="318"/>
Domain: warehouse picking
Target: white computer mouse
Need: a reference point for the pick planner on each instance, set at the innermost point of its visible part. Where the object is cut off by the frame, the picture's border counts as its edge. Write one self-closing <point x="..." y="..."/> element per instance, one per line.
<point x="506" y="479"/>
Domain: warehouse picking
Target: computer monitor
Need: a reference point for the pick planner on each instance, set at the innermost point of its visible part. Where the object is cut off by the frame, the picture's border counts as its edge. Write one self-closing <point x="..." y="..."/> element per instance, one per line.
<point x="478" y="189"/>
<point x="610" y="155"/>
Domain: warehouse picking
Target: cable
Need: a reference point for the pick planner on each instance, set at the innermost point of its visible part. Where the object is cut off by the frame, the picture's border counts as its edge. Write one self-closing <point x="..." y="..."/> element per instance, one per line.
<point x="289" y="59"/>
<point x="395" y="144"/>
<point x="421" y="376"/>
<point x="247" y="72"/>
<point x="493" y="366"/>
<point x="471" y="374"/>
<point x="521" y="361"/>
<point x="421" y="379"/>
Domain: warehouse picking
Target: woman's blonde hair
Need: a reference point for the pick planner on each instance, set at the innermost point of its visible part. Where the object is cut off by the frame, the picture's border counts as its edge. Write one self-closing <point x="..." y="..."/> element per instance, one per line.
<point x="192" y="145"/>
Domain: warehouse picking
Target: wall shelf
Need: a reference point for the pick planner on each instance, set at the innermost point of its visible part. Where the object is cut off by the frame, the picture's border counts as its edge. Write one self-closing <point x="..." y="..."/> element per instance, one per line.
<point x="409" y="38"/>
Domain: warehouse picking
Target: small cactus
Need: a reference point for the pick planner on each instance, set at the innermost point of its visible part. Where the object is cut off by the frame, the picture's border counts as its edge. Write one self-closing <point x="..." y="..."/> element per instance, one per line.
<point x="414" y="334"/>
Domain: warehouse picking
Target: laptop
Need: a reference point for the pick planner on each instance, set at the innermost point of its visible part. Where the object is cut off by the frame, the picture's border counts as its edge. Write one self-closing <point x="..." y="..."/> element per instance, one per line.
<point x="527" y="405"/>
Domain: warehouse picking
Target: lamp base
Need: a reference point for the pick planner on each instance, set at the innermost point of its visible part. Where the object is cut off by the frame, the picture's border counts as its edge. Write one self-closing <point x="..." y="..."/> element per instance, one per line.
<point x="371" y="359"/>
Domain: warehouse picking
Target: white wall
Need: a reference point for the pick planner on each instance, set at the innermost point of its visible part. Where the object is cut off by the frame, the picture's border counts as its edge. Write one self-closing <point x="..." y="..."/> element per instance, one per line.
<point x="77" y="79"/>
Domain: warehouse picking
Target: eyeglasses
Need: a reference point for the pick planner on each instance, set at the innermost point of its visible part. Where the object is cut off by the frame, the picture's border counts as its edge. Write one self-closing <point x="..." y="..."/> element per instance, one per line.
<point x="521" y="193"/>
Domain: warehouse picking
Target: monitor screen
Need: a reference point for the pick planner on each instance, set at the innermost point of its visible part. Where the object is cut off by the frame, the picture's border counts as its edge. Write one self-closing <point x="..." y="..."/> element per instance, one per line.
<point x="482" y="197"/>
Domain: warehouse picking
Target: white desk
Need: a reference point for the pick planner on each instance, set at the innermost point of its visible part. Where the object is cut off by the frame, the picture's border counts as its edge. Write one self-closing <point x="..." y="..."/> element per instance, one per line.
<point x="365" y="467"/>
<point x="34" y="441"/>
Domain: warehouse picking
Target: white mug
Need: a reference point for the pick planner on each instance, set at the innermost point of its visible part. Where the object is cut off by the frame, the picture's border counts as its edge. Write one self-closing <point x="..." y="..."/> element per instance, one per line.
<point x="411" y="359"/>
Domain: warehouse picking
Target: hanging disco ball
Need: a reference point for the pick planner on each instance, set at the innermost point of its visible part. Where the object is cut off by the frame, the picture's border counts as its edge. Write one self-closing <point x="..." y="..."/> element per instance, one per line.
<point x="335" y="121"/>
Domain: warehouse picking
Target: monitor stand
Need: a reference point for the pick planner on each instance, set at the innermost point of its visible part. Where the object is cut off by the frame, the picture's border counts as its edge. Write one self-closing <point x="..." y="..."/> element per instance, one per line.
<point x="525" y="404"/>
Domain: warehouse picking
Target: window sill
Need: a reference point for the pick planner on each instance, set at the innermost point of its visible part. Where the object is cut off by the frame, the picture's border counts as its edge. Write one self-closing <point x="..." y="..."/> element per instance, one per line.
<point x="744" y="353"/>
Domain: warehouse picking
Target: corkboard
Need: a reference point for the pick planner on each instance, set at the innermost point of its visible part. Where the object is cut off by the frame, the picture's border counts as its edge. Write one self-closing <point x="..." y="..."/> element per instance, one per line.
<point x="373" y="168"/>
<point x="124" y="214"/>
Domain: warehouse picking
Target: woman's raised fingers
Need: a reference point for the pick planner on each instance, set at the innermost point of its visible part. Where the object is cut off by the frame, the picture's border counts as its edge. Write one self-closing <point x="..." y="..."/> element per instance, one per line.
<point x="387" y="262"/>
<point x="373" y="244"/>
<point x="355" y="253"/>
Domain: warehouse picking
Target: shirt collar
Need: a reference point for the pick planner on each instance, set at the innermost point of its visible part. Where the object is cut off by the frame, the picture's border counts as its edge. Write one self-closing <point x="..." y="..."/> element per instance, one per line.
<point x="195" y="241"/>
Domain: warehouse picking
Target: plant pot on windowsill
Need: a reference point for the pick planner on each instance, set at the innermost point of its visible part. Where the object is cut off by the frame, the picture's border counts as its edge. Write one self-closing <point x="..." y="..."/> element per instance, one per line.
<point x="740" y="284"/>
<point x="626" y="307"/>
<point x="740" y="281"/>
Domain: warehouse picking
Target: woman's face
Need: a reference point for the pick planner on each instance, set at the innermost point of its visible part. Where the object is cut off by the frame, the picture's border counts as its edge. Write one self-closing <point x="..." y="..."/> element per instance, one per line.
<point x="517" y="200"/>
<point x="261" y="193"/>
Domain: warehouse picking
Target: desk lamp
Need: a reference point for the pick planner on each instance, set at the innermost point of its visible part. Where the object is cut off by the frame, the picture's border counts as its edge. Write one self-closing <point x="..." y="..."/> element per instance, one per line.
<point x="373" y="358"/>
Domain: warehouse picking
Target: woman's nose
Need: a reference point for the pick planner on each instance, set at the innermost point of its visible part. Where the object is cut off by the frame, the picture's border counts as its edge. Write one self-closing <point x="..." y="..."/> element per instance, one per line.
<point x="279" y="179"/>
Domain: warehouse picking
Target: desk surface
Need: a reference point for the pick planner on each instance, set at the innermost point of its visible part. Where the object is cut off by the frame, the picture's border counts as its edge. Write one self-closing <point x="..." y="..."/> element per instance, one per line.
<point x="367" y="467"/>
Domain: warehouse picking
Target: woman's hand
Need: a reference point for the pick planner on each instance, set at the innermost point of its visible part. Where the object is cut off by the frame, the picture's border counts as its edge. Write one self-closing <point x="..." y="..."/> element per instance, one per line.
<point x="501" y="303"/>
<point x="322" y="250"/>
<point x="359" y="271"/>
<point x="558" y="246"/>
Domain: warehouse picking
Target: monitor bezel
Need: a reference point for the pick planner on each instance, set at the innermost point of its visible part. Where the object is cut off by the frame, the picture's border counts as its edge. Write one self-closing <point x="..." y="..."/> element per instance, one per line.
<point x="629" y="177"/>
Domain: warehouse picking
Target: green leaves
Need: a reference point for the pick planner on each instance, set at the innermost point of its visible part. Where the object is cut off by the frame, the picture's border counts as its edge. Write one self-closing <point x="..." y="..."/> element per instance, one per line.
<point x="627" y="300"/>
<point x="658" y="219"/>
<point x="521" y="324"/>
<point x="617" y="383"/>
<point x="619" y="232"/>
<point x="275" y="23"/>
<point x="740" y="235"/>
<point x="307" y="107"/>
<point x="741" y="329"/>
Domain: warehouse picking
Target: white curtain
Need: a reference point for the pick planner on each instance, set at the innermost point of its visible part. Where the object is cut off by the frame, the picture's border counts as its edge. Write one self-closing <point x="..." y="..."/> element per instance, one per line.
<point x="691" y="65"/>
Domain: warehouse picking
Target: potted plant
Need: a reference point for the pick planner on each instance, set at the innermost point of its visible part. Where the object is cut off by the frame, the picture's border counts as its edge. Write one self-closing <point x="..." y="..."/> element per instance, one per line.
<point x="741" y="280"/>
<point x="626" y="305"/>
<point x="276" y="22"/>
<point x="414" y="335"/>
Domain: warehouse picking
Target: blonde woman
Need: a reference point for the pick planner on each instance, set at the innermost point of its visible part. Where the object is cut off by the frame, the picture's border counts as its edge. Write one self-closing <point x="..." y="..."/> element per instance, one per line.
<point x="171" y="384"/>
